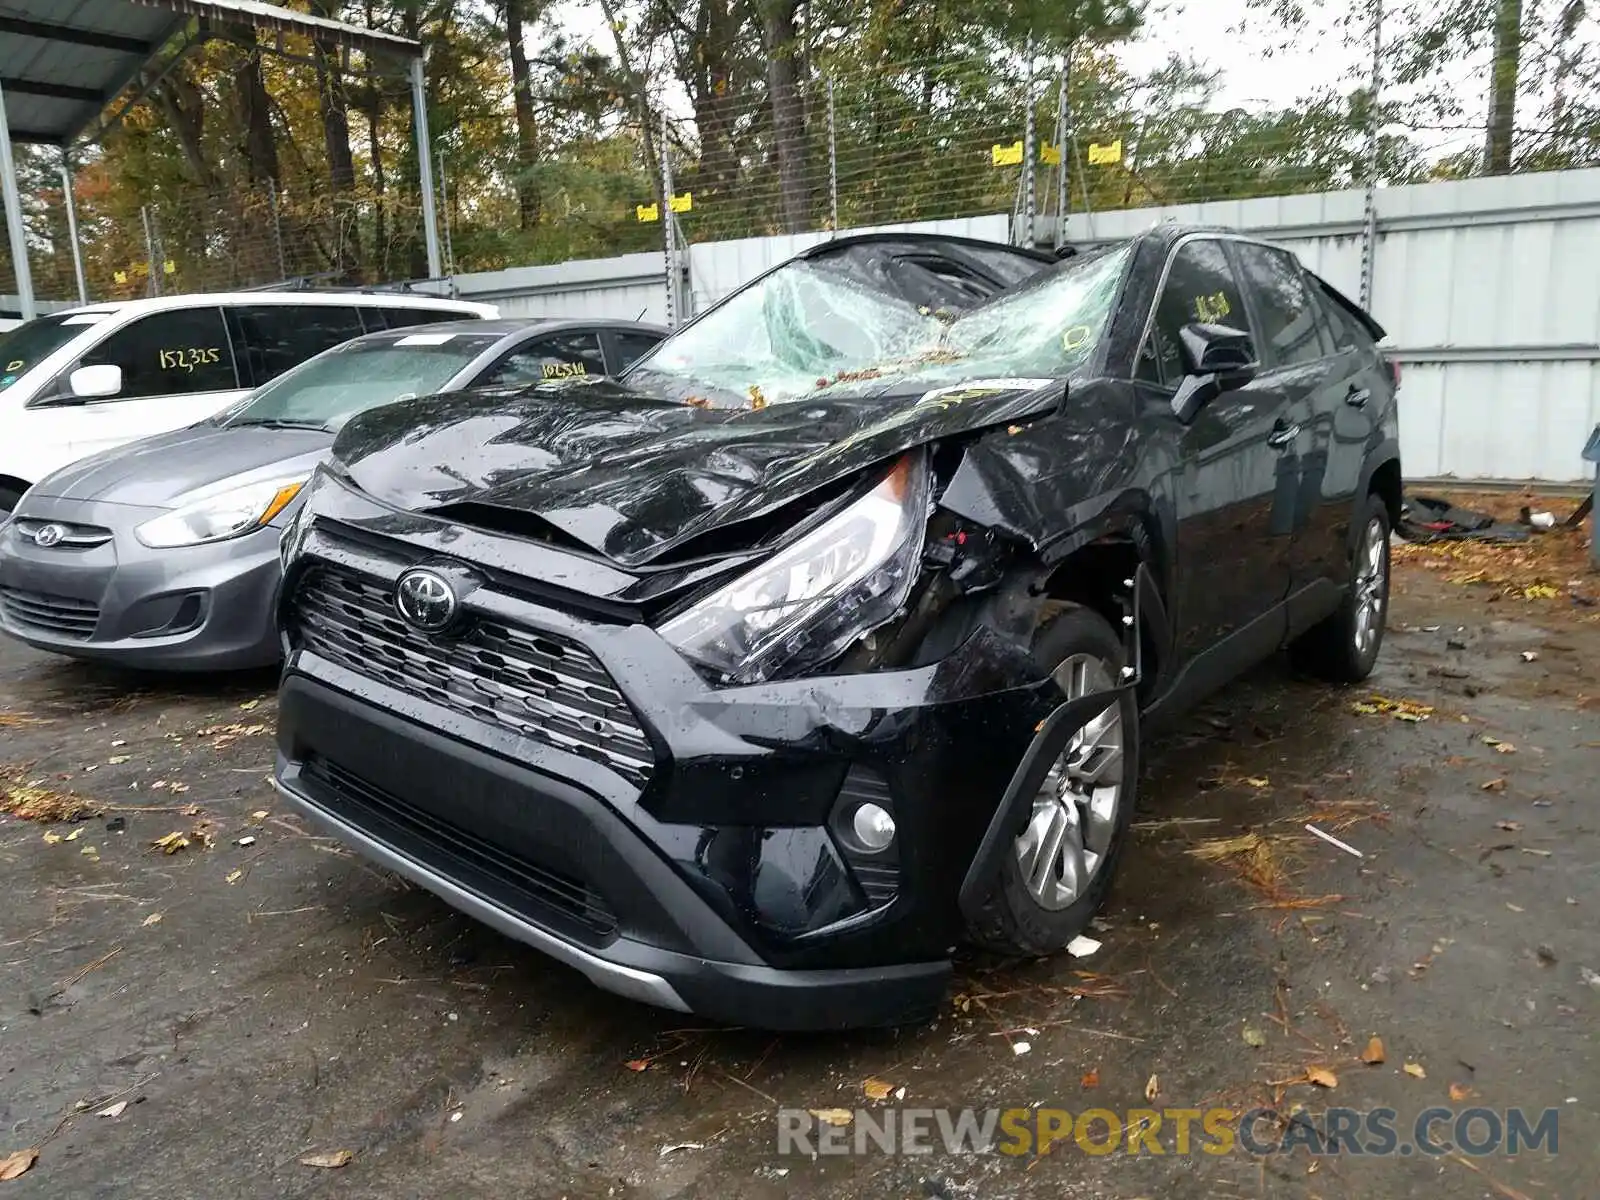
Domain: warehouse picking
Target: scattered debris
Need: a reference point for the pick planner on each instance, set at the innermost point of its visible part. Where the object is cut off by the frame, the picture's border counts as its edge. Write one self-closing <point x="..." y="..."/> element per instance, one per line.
<point x="248" y="705"/>
<point x="1152" y="1089"/>
<point x="1091" y="1077"/>
<point x="113" y="1110"/>
<point x="1415" y="1070"/>
<point x="152" y="919"/>
<point x="1508" y="826"/>
<point x="1082" y="947"/>
<point x="1590" y="977"/>
<point x="878" y="1089"/>
<point x="31" y="801"/>
<point x="1322" y="1077"/>
<point x="1400" y="710"/>
<point x="329" y="1159"/>
<point x="1546" y="955"/>
<point x="1373" y="1055"/>
<point x="1493" y="785"/>
<point x="171" y="843"/>
<point x="116" y="760"/>
<point x="1020" y="1048"/>
<point x="245" y="841"/>
<point x="833" y="1116"/>
<point x="1333" y="841"/>
<point x="17" y="1162"/>
<point x="1254" y="1038"/>
<point x="1530" y="656"/>
<point x="675" y="1146"/>
<point x="235" y="875"/>
<point x="1460" y="1092"/>
<point x="637" y="1064"/>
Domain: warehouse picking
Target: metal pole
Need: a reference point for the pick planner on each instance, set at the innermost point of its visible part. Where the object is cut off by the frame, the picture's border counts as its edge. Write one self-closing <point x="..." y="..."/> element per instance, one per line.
<point x="444" y="205"/>
<point x="1063" y="132"/>
<point x="14" y="225"/>
<point x="671" y="243"/>
<point x="1030" y="148"/>
<point x="833" y="165"/>
<point x="430" y="217"/>
<point x="72" y="226"/>
<point x="153" y="282"/>
<point x="1369" y="231"/>
<point x="277" y="229"/>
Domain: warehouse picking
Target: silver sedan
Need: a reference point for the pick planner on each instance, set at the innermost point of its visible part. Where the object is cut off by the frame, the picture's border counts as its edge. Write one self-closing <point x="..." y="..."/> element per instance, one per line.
<point x="164" y="553"/>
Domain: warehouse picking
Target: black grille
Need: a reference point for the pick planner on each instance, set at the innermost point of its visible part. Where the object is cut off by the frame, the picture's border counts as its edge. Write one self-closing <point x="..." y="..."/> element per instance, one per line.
<point x="61" y="615"/>
<point x="464" y="856"/>
<point x="544" y="686"/>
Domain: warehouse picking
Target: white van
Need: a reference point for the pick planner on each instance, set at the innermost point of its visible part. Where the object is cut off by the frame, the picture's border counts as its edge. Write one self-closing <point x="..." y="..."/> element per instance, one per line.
<point x="89" y="379"/>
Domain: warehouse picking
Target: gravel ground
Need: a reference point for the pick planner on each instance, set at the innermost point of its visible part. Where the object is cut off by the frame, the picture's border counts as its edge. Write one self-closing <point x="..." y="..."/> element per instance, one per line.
<point x="253" y="1004"/>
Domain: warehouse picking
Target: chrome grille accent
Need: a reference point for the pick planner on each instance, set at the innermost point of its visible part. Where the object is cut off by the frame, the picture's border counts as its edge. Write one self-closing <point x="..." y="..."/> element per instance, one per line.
<point x="542" y="685"/>
<point x="62" y="615"/>
<point x="76" y="535"/>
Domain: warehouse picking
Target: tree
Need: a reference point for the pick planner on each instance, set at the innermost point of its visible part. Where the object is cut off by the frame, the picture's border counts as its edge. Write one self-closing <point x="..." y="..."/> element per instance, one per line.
<point x="525" y="167"/>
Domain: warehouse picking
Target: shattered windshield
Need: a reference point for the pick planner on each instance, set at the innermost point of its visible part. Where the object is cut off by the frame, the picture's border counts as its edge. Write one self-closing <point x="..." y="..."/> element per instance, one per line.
<point x="807" y="326"/>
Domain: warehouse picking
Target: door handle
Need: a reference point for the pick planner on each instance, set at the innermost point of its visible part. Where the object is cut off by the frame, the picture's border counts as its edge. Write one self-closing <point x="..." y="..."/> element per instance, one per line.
<point x="1283" y="436"/>
<point x="1357" y="397"/>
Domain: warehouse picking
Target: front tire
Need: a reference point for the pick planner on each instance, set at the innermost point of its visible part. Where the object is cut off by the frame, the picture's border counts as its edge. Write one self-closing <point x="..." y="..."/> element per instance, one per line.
<point x="1055" y="875"/>
<point x="1344" y="647"/>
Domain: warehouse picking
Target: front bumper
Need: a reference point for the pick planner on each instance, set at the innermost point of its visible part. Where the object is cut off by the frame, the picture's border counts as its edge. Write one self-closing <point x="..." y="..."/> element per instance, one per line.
<point x="191" y="608"/>
<point x="717" y="884"/>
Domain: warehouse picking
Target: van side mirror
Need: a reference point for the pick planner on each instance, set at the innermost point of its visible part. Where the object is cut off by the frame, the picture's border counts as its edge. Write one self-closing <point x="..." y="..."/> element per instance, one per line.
<point x="96" y="382"/>
<point x="1216" y="359"/>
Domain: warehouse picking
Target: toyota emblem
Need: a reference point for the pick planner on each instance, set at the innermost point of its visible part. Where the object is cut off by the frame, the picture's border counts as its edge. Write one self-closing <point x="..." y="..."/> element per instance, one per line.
<point x="426" y="600"/>
<point x="48" y="535"/>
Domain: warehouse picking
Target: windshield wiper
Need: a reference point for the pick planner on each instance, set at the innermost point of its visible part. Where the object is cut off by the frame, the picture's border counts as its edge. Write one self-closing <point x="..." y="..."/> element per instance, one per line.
<point x="277" y="423"/>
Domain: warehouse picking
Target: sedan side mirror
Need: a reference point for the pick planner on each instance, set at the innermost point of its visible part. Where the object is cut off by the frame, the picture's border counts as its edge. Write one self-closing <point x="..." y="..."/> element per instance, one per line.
<point x="1217" y="359"/>
<point x="96" y="382"/>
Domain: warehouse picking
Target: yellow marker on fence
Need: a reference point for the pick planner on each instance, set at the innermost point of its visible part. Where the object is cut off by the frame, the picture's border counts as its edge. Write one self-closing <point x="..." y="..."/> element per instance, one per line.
<point x="647" y="212"/>
<point x="683" y="203"/>
<point x="1050" y="155"/>
<point x="1107" y="155"/>
<point x="1007" y="156"/>
<point x="119" y="276"/>
<point x="170" y="267"/>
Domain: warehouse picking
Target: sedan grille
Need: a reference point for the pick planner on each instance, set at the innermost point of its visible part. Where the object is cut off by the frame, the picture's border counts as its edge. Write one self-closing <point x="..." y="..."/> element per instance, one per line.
<point x="62" y="615"/>
<point x="545" y="686"/>
<point x="68" y="533"/>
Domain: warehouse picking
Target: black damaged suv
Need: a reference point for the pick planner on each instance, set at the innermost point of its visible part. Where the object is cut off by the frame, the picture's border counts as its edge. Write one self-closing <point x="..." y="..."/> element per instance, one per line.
<point x="755" y="682"/>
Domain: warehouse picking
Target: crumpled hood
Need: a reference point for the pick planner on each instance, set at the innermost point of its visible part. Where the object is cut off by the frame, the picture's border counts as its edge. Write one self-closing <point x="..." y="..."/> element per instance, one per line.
<point x="633" y="477"/>
<point x="157" y="472"/>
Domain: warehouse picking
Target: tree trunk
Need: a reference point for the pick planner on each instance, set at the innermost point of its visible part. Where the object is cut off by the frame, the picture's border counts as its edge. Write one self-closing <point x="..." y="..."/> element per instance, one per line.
<point x="335" y="110"/>
<point x="716" y="28"/>
<point x="782" y="45"/>
<point x="641" y="98"/>
<point x="185" y="109"/>
<point x="528" y="198"/>
<point x="250" y="91"/>
<point x="1503" y="87"/>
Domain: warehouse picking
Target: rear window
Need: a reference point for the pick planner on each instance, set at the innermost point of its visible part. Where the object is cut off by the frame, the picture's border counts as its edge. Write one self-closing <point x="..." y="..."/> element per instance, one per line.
<point x="28" y="345"/>
<point x="1348" y="333"/>
<point x="400" y="318"/>
<point x="272" y="338"/>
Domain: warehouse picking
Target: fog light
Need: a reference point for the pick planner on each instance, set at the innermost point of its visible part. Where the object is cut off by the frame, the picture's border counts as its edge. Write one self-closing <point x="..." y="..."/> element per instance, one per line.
<point x="873" y="827"/>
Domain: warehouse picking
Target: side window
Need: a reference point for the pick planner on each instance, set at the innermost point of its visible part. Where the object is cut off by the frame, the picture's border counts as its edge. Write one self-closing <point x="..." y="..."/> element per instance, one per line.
<point x="275" y="337"/>
<point x="181" y="352"/>
<point x="1200" y="287"/>
<point x="1347" y="334"/>
<point x="628" y="348"/>
<point x="561" y="356"/>
<point x="1289" y="333"/>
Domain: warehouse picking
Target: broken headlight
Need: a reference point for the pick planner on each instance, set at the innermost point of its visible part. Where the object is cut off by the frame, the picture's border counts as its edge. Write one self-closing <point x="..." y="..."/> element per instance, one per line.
<point x="811" y="600"/>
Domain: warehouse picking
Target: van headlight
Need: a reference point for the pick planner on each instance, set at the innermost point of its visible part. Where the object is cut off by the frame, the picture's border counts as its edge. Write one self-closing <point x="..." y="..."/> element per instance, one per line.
<point x="221" y="515"/>
<point x="811" y="600"/>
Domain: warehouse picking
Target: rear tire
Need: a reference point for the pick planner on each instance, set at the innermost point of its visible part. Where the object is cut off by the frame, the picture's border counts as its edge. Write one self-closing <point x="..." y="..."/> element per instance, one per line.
<point x="1344" y="647"/>
<point x="1042" y="898"/>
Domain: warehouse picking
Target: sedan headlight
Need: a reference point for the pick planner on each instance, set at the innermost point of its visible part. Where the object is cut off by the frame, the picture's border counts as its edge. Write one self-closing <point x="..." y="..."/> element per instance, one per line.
<point x="809" y="601"/>
<point x="223" y="515"/>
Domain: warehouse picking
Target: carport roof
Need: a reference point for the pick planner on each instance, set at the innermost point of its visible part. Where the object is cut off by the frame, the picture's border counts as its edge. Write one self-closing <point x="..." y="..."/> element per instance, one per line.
<point x="63" y="61"/>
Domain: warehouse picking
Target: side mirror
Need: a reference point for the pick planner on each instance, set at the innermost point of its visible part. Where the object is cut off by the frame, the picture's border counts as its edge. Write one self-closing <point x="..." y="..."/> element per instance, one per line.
<point x="96" y="382"/>
<point x="1218" y="359"/>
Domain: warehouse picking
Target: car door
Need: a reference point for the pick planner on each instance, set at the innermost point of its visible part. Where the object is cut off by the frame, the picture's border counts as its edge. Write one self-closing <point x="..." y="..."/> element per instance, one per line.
<point x="1232" y="560"/>
<point x="568" y="354"/>
<point x="177" y="368"/>
<point x="1298" y="348"/>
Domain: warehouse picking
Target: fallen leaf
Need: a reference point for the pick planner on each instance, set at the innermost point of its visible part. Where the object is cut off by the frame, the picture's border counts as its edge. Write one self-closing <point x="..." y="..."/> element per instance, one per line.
<point x="1152" y="1089"/>
<point x="1322" y="1077"/>
<point x="246" y="707"/>
<point x="50" y="839"/>
<point x="74" y="835"/>
<point x="637" y="1064"/>
<point x="1508" y="826"/>
<point x="17" y="1162"/>
<point x="1254" y="1037"/>
<point x="1091" y="1078"/>
<point x="1516" y="908"/>
<point x="1545" y="955"/>
<point x="1504" y="748"/>
<point x="260" y="814"/>
<point x="114" y="1110"/>
<point x="1536" y="853"/>
<point x="152" y="919"/>
<point x="117" y="759"/>
<point x="1490" y="741"/>
<point x="833" y="1116"/>
<point x="1415" y="1071"/>
<point x="1530" y="656"/>
<point x="119" y="741"/>
<point x="171" y="843"/>
<point x="1493" y="785"/>
<point x="665" y="1150"/>
<point x="330" y="1158"/>
<point x="877" y="1089"/>
<point x="1373" y="1054"/>
<point x="235" y="875"/>
<point x="1460" y="1091"/>
<point x="1256" y="781"/>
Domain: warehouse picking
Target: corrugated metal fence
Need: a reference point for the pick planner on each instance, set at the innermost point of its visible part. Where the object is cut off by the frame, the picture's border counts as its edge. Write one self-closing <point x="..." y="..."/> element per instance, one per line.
<point x="1490" y="290"/>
